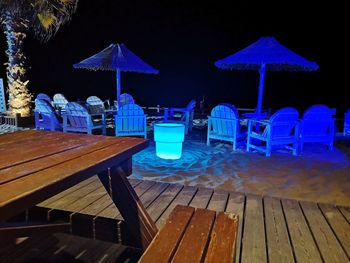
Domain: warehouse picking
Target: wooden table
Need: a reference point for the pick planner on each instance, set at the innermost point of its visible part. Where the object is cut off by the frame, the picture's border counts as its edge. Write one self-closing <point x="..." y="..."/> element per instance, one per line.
<point x="35" y="165"/>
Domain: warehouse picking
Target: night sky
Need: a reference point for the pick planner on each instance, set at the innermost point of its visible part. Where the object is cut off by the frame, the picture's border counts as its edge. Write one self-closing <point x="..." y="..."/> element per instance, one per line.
<point x="183" y="39"/>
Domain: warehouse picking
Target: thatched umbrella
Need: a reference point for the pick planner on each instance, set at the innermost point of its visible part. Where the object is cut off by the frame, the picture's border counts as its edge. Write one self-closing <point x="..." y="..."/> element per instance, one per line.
<point x="116" y="57"/>
<point x="266" y="54"/>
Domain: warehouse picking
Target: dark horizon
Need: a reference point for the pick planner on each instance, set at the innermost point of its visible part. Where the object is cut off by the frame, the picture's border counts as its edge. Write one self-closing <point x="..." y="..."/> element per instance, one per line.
<point x="183" y="40"/>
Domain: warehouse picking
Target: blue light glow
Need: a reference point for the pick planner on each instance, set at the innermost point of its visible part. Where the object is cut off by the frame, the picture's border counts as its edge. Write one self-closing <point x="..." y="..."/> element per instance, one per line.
<point x="169" y="138"/>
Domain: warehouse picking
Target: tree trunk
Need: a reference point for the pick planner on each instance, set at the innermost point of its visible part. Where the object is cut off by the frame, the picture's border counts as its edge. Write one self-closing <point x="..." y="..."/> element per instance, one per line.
<point x="19" y="96"/>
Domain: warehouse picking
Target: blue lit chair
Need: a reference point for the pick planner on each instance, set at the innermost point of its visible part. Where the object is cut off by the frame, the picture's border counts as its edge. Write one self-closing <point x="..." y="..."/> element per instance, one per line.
<point x="130" y="121"/>
<point x="43" y="96"/>
<point x="76" y="118"/>
<point x="224" y="125"/>
<point x="181" y="115"/>
<point x="46" y="117"/>
<point x="126" y="98"/>
<point x="317" y="126"/>
<point x="95" y="104"/>
<point x="59" y="101"/>
<point x="346" y="131"/>
<point x="281" y="130"/>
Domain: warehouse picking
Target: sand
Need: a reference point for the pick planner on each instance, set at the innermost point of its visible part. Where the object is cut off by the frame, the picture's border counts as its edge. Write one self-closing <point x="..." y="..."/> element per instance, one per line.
<point x="317" y="175"/>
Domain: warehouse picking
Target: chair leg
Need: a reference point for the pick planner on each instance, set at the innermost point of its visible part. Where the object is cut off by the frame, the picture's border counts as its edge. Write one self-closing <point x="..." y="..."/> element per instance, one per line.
<point x="268" y="148"/>
<point x="208" y="140"/>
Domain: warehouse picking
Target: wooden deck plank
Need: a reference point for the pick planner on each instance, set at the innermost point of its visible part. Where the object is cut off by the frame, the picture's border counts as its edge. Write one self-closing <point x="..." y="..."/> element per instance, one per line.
<point x="193" y="245"/>
<point x="96" y="207"/>
<point x="346" y="212"/>
<point x="253" y="243"/>
<point x="112" y="212"/>
<point x="202" y="198"/>
<point x="304" y="246"/>
<point x="323" y="234"/>
<point x="235" y="204"/>
<point x="218" y="201"/>
<point x="339" y="225"/>
<point x="278" y="245"/>
<point x="156" y="209"/>
<point x="74" y="188"/>
<point x="183" y="198"/>
<point x="63" y="203"/>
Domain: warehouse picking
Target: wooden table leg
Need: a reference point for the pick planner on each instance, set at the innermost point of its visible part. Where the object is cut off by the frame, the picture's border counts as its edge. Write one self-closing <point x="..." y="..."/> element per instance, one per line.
<point x="140" y="225"/>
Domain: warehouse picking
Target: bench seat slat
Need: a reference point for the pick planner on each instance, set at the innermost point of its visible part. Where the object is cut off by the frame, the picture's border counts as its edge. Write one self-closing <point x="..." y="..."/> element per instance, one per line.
<point x="223" y="239"/>
<point x="164" y="245"/>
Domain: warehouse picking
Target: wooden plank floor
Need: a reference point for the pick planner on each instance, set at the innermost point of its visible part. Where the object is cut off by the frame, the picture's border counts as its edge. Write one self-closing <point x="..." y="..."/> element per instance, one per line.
<point x="270" y="229"/>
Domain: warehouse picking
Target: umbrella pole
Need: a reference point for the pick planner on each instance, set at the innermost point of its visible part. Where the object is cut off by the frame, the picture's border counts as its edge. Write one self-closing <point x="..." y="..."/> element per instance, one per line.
<point x="261" y="88"/>
<point x="118" y="88"/>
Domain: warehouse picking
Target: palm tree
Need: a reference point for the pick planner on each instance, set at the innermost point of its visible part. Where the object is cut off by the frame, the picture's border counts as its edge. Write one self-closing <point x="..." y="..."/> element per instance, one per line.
<point x="18" y="17"/>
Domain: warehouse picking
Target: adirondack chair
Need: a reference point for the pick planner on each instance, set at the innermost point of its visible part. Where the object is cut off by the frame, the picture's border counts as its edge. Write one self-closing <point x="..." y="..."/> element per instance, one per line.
<point x="60" y="101"/>
<point x="282" y="129"/>
<point x="46" y="117"/>
<point x="77" y="119"/>
<point x="44" y="96"/>
<point x="126" y="98"/>
<point x="186" y="115"/>
<point x="130" y="121"/>
<point x="317" y="125"/>
<point x="224" y="125"/>
<point x="346" y="131"/>
<point x="95" y="104"/>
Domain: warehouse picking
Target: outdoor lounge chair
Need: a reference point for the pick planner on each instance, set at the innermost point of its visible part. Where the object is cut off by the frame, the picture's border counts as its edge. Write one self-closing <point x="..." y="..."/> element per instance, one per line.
<point x="224" y="125"/>
<point x="126" y="98"/>
<point x="46" y="117"/>
<point x="130" y="121"/>
<point x="186" y="115"/>
<point x="317" y="125"/>
<point x="282" y="129"/>
<point x="95" y="104"/>
<point x="44" y="96"/>
<point x="77" y="119"/>
<point x="59" y="101"/>
<point x="346" y="130"/>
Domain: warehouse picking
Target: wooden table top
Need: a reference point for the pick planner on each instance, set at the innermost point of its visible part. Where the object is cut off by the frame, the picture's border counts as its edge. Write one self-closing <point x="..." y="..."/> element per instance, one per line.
<point x="35" y="165"/>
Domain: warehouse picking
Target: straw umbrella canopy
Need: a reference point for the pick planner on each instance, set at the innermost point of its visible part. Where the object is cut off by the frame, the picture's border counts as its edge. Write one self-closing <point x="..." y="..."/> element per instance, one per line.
<point x="266" y="54"/>
<point x="118" y="58"/>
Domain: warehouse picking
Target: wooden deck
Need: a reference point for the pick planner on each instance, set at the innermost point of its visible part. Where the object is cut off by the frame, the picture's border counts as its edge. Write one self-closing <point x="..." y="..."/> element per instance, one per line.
<point x="270" y="229"/>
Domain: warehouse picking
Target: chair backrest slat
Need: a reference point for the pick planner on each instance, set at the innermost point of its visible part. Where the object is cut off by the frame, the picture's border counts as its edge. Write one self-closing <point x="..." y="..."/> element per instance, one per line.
<point x="316" y="120"/>
<point x="77" y="115"/>
<point x="223" y="112"/>
<point x="60" y="100"/>
<point x="283" y="122"/>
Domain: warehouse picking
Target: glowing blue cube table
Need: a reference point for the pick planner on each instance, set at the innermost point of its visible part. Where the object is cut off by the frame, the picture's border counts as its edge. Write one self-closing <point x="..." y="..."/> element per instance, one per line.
<point x="169" y="138"/>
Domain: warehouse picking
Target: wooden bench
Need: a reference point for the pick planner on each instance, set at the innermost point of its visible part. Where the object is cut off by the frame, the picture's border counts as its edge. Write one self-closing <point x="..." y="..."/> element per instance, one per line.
<point x="191" y="235"/>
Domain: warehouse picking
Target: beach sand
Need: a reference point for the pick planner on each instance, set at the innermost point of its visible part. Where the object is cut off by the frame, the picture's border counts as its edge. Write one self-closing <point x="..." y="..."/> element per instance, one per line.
<point x="317" y="175"/>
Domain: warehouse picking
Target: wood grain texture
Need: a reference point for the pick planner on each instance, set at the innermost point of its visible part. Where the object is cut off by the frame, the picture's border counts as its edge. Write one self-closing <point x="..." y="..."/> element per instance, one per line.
<point x="21" y="193"/>
<point x="193" y="245"/>
<point x="223" y="239"/>
<point x="339" y="225"/>
<point x="278" y="245"/>
<point x="253" y="243"/>
<point x="323" y="234"/>
<point x="235" y="205"/>
<point x="304" y="246"/>
<point x="168" y="238"/>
